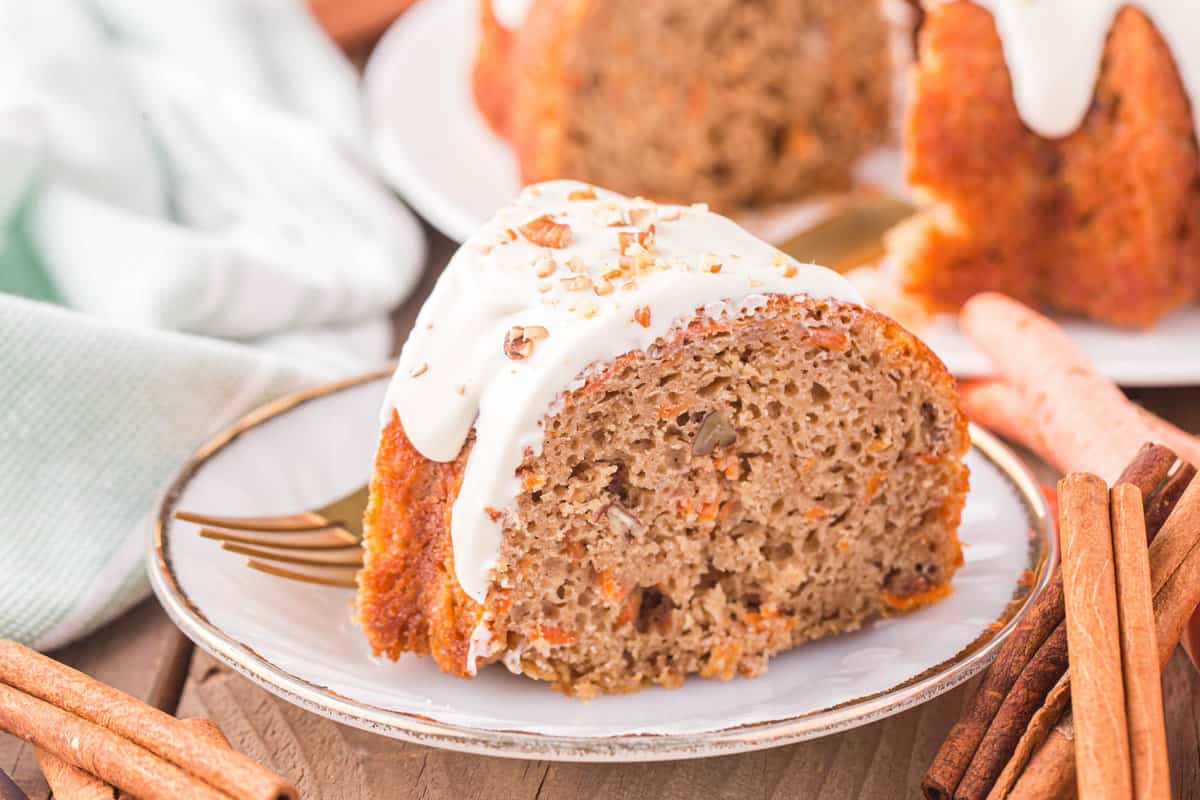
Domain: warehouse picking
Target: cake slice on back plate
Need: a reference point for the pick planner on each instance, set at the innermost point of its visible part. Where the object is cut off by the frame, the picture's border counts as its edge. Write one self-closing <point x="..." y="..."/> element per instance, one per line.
<point x="735" y="102"/>
<point x="627" y="442"/>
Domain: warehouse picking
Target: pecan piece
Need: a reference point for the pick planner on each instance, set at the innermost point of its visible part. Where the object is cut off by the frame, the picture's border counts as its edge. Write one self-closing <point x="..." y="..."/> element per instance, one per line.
<point x="715" y="431"/>
<point x="620" y="521"/>
<point x="545" y="232"/>
<point x="516" y="345"/>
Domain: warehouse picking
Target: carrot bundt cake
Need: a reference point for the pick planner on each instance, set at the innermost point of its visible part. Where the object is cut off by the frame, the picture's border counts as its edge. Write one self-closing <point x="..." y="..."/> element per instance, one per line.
<point x="733" y="102"/>
<point x="1056" y="141"/>
<point x="628" y="442"/>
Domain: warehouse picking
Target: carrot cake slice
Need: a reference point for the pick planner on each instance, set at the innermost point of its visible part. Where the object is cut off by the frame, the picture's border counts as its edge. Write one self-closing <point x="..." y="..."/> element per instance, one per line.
<point x="629" y="442"/>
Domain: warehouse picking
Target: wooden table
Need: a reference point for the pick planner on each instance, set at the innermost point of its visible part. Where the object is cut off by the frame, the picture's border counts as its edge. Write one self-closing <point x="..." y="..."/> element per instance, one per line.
<point x="146" y="656"/>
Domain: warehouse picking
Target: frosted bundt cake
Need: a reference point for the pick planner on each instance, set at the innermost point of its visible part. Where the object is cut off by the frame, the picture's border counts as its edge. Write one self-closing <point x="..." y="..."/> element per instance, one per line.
<point x="1056" y="141"/>
<point x="627" y="442"/>
<point x="727" y="101"/>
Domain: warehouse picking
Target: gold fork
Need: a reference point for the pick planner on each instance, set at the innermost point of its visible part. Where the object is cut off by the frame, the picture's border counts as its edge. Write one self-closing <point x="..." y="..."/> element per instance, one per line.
<point x="326" y="542"/>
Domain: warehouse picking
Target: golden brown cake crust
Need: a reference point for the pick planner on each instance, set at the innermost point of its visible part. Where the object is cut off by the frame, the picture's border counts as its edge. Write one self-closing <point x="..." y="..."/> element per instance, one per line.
<point x="1104" y="222"/>
<point x="410" y="600"/>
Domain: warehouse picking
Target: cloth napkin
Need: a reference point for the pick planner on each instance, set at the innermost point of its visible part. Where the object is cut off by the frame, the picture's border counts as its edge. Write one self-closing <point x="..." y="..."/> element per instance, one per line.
<point x="187" y="230"/>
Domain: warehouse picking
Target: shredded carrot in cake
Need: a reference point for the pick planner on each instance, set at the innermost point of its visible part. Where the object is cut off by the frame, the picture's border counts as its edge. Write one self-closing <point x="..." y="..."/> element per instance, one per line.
<point x="907" y="602"/>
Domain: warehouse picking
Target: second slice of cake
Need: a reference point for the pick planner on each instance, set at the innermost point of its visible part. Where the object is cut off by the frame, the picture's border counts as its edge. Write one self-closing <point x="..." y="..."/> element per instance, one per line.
<point x="627" y="442"/>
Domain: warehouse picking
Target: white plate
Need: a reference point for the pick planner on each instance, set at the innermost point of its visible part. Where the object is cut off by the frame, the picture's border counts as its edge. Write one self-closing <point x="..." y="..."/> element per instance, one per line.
<point x="299" y="640"/>
<point x="428" y="139"/>
<point x="430" y="142"/>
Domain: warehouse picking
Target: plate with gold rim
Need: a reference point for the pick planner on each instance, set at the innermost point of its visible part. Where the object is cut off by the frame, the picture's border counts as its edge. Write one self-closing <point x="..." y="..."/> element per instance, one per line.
<point x="300" y="641"/>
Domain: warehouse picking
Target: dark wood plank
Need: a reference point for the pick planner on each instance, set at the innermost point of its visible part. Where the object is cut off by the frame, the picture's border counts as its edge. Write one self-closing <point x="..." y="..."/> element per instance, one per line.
<point x="142" y="654"/>
<point x="1181" y="699"/>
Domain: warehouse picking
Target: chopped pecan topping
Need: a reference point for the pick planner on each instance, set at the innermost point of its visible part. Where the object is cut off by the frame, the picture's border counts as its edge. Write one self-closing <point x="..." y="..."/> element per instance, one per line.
<point x="544" y="266"/>
<point x="645" y="239"/>
<point x="609" y="214"/>
<point x="642" y="316"/>
<point x="582" y="194"/>
<point x="578" y="283"/>
<point x="516" y="345"/>
<point x="545" y="232"/>
<point x="640" y="217"/>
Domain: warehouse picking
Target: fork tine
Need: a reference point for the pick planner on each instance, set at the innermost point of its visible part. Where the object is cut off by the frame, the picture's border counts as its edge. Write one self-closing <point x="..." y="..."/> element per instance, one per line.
<point x="321" y="539"/>
<point x="306" y="521"/>
<point x="325" y="576"/>
<point x="342" y="556"/>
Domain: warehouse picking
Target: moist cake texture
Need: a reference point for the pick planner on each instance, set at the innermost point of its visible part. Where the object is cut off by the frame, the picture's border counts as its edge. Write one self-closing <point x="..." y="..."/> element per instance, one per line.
<point x="768" y="467"/>
<point x="732" y="102"/>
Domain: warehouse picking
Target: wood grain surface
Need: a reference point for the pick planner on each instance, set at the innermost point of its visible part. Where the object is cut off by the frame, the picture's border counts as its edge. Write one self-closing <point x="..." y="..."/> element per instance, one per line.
<point x="145" y="655"/>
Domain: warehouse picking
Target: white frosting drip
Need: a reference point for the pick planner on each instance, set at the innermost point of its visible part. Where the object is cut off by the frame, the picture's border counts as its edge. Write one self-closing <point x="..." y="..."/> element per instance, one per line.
<point x="453" y="373"/>
<point x="482" y="644"/>
<point x="1053" y="50"/>
<point x="511" y="13"/>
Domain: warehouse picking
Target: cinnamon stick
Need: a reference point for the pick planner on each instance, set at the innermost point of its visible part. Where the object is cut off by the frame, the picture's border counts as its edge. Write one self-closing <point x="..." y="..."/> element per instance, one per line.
<point x="68" y="782"/>
<point x="1027" y="694"/>
<point x="208" y="730"/>
<point x="1160" y="506"/>
<point x="958" y="750"/>
<point x="1139" y="651"/>
<point x="118" y="719"/>
<point x="1051" y="770"/>
<point x="1149" y="467"/>
<point x="1093" y="639"/>
<point x="98" y="750"/>
<point x="1036" y="733"/>
<point x="1176" y="537"/>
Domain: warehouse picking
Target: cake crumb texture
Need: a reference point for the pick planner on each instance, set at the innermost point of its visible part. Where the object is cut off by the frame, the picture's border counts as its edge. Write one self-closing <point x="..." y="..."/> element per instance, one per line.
<point x="747" y="484"/>
<point x="729" y="102"/>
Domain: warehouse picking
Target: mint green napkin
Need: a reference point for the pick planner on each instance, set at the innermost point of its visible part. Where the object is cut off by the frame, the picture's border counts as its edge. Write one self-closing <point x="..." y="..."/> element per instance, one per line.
<point x="187" y="230"/>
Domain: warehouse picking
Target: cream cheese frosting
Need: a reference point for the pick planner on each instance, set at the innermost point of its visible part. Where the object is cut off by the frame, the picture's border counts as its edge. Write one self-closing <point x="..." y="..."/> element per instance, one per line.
<point x="565" y="278"/>
<point x="1053" y="50"/>
<point x="511" y="13"/>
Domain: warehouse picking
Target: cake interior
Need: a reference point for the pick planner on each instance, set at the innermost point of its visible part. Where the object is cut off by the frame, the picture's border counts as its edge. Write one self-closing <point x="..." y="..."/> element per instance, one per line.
<point x="732" y="102"/>
<point x="745" y="487"/>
